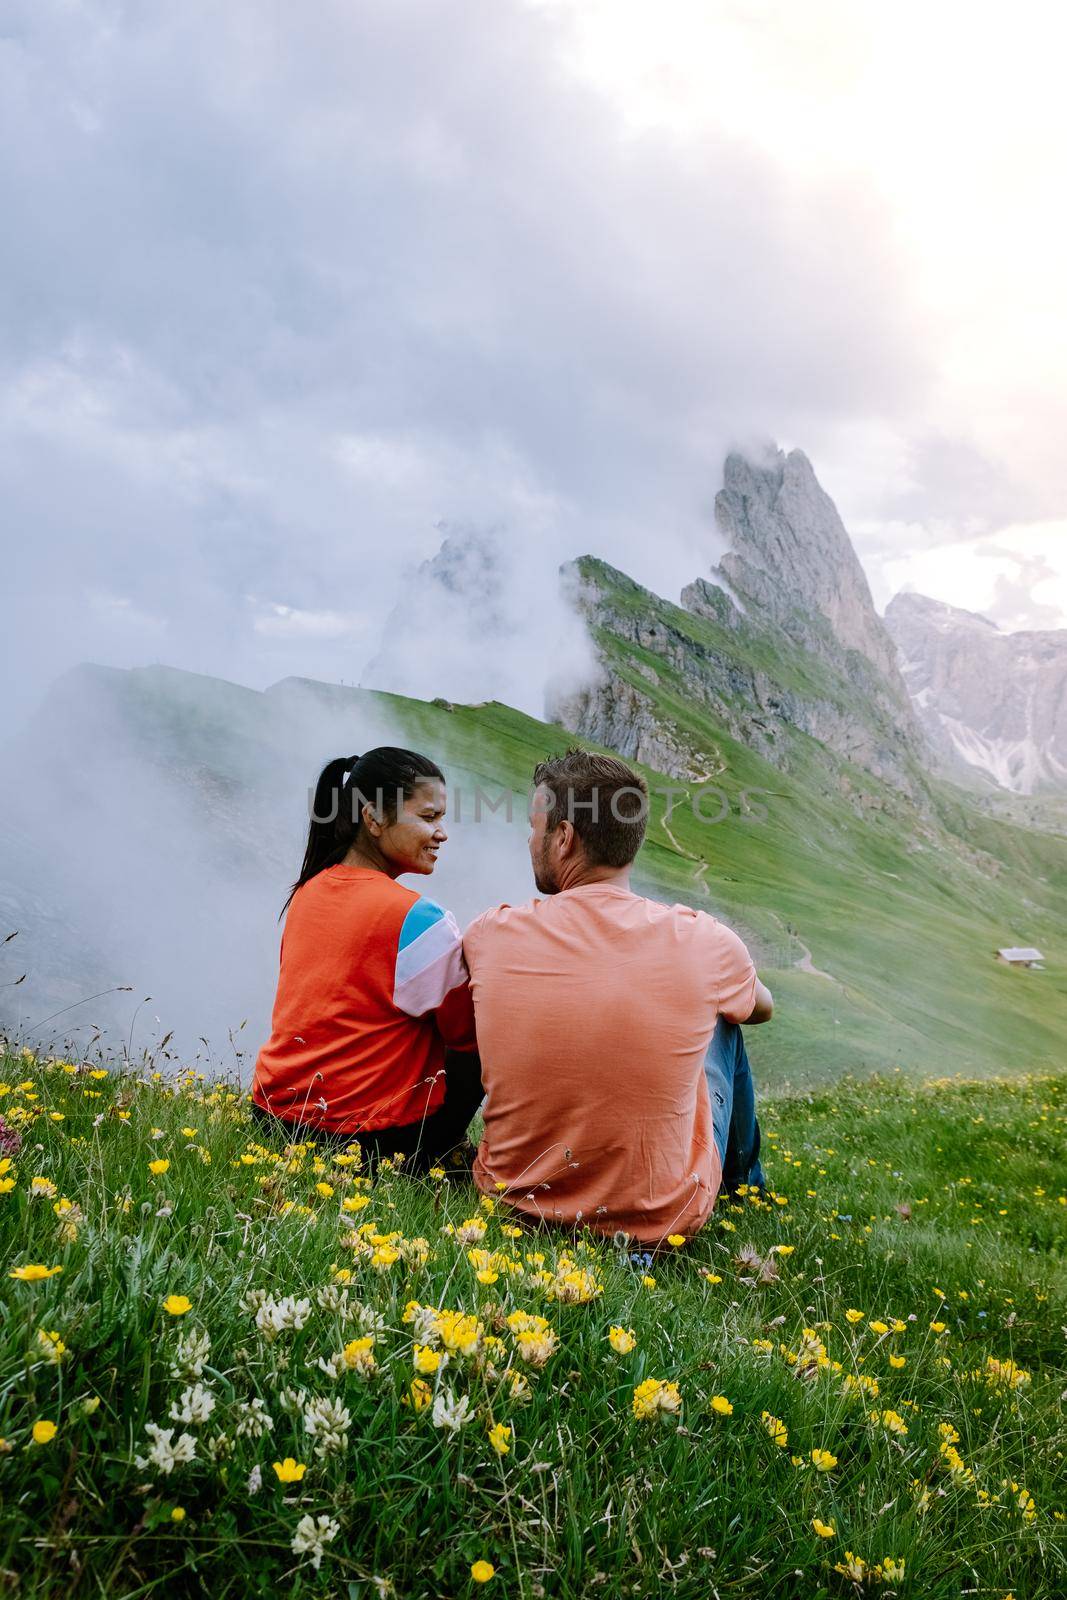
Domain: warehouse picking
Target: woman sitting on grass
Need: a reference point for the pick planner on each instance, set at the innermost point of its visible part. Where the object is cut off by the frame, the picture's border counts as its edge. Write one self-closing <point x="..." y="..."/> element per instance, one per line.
<point x="372" y="1036"/>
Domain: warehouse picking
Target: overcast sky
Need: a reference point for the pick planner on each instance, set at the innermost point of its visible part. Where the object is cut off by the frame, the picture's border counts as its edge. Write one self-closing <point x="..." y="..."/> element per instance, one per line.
<point x="289" y="291"/>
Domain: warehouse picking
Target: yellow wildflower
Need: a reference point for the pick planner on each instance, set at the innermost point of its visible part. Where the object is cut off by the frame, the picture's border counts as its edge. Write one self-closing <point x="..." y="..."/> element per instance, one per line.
<point x="825" y="1530"/>
<point x="289" y="1471"/>
<point x="176" y="1305"/>
<point x="823" y="1461"/>
<point x="622" y="1340"/>
<point x="43" y="1432"/>
<point x="500" y="1438"/>
<point x="158" y="1168"/>
<point x="482" y="1571"/>
<point x="359" y="1354"/>
<point x="656" y="1397"/>
<point x="52" y="1345"/>
<point x="419" y="1394"/>
<point x="853" y="1567"/>
<point x="33" y="1272"/>
<point x="775" y="1428"/>
<point x="721" y="1406"/>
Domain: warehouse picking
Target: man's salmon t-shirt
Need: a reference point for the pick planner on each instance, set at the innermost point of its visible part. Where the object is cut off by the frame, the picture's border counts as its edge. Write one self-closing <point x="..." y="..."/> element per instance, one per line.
<point x="372" y="987"/>
<point x="595" y="1008"/>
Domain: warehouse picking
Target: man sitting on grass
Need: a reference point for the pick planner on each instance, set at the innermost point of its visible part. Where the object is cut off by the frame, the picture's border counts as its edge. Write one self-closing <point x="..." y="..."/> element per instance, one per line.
<point x="618" y="1089"/>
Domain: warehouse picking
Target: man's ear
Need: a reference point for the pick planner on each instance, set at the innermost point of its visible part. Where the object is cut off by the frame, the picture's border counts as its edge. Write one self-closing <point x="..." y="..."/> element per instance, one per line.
<point x="567" y="837"/>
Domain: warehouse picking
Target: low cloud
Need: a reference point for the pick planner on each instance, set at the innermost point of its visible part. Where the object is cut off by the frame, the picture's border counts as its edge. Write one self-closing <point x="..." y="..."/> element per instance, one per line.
<point x="283" y="296"/>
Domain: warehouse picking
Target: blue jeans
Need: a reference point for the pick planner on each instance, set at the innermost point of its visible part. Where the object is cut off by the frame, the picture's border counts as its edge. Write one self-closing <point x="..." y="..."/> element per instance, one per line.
<point x="733" y="1107"/>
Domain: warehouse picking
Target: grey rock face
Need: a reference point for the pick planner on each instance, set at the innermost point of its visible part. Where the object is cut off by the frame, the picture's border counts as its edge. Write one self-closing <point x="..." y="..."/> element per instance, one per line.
<point x="757" y="705"/>
<point x="793" y="641"/>
<point x="991" y="702"/>
<point x="791" y="558"/>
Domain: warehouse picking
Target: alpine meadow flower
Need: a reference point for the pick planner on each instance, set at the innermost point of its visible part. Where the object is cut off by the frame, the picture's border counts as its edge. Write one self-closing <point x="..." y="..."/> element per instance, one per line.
<point x="449" y="1413"/>
<point x="52" y="1347"/>
<point x="500" y="1438"/>
<point x="775" y="1429"/>
<point x="164" y="1454"/>
<point x="289" y="1471"/>
<point x="194" y="1406"/>
<point x="482" y="1571"/>
<point x="419" y="1394"/>
<point x="327" y="1421"/>
<point x="312" y="1536"/>
<point x="33" y="1273"/>
<point x="191" y="1349"/>
<point x="721" y="1406"/>
<point x="176" y="1305"/>
<point x="281" y="1316"/>
<point x="253" y="1420"/>
<point x="823" y="1461"/>
<point x="825" y="1530"/>
<point x="656" y="1397"/>
<point x="43" y="1432"/>
<point x="622" y="1340"/>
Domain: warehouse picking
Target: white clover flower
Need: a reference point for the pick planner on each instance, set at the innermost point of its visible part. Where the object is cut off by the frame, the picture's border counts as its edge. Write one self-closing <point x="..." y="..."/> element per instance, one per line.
<point x="312" y="1536"/>
<point x="425" y="1328"/>
<point x="194" y="1405"/>
<point x="252" y="1299"/>
<point x="450" y="1413"/>
<point x="369" y="1319"/>
<point x="279" y="1316"/>
<point x="334" y="1366"/>
<point x="333" y="1297"/>
<point x="327" y="1421"/>
<point x="219" y="1446"/>
<point x="292" y="1401"/>
<point x="255" y="1479"/>
<point x="190" y="1354"/>
<point x="254" y="1420"/>
<point x="163" y="1454"/>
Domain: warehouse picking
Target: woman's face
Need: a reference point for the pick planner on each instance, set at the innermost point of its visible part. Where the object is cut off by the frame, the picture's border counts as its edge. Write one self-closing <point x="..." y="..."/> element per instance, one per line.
<point x="411" y="843"/>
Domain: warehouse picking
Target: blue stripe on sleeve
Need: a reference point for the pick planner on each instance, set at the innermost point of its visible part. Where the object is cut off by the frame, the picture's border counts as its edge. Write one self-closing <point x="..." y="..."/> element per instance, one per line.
<point x="423" y="915"/>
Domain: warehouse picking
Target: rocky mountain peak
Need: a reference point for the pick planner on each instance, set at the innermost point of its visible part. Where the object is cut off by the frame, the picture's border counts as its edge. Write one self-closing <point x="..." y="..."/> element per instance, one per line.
<point x="790" y="556"/>
<point x="990" y="701"/>
<point x="909" y="607"/>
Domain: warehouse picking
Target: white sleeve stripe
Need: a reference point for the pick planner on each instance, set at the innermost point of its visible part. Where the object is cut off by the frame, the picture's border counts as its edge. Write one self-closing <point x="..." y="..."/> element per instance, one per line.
<point x="423" y="951"/>
<point x="425" y="989"/>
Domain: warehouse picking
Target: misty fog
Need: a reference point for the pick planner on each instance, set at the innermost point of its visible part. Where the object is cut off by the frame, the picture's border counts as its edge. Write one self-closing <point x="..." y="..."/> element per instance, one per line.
<point x="156" y="842"/>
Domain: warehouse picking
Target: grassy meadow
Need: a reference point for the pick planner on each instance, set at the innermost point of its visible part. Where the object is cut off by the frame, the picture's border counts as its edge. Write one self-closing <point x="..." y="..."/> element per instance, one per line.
<point x="240" y="1368"/>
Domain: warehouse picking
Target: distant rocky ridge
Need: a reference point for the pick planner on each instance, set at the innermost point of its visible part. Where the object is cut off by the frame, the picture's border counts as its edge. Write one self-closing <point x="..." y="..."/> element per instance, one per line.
<point x="782" y="639"/>
<point x="992" y="704"/>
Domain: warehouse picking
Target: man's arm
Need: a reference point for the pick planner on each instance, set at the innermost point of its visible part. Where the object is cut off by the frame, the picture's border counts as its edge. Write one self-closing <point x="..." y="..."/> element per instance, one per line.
<point x="763" y="1010"/>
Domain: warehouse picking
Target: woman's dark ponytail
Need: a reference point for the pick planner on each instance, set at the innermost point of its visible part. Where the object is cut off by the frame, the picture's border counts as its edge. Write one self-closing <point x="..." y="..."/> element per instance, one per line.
<point x="384" y="778"/>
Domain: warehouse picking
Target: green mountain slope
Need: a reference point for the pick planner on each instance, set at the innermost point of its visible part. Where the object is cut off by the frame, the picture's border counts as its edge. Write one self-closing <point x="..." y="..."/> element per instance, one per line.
<point x="907" y="936"/>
